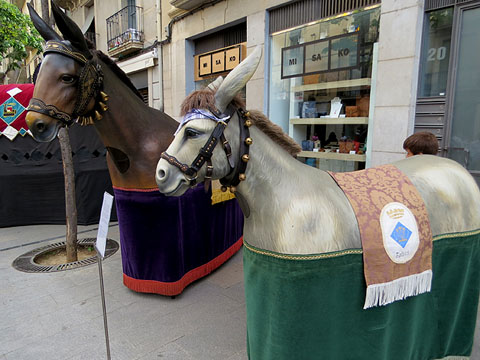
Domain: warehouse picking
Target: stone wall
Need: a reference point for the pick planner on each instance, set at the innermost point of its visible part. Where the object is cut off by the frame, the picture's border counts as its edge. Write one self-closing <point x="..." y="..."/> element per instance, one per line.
<point x="401" y="24"/>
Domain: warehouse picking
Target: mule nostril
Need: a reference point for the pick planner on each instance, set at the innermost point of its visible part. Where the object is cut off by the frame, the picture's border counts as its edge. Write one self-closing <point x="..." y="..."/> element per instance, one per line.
<point x="40" y="126"/>
<point x="161" y="174"/>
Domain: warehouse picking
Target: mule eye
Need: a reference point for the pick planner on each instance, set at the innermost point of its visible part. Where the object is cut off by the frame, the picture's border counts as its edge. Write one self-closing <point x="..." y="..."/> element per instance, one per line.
<point x="191" y="133"/>
<point x="68" y="79"/>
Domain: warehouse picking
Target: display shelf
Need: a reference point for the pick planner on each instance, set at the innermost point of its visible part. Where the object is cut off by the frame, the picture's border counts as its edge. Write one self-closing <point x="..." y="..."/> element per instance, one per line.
<point x="330" y="121"/>
<point x="298" y="126"/>
<point x="332" y="156"/>
<point x="334" y="85"/>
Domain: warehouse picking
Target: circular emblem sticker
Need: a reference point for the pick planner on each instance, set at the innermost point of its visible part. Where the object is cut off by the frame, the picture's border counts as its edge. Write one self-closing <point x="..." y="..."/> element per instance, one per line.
<point x="400" y="232"/>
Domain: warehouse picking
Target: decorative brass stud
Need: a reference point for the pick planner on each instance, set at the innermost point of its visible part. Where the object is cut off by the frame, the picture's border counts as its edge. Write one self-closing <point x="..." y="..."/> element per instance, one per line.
<point x="98" y="116"/>
<point x="245" y="157"/>
<point x="248" y="123"/>
<point x="104" y="96"/>
<point x="248" y="141"/>
<point x="223" y="188"/>
<point x="233" y="189"/>
<point x="242" y="177"/>
<point x="89" y="120"/>
<point x="247" y="114"/>
<point x="103" y="106"/>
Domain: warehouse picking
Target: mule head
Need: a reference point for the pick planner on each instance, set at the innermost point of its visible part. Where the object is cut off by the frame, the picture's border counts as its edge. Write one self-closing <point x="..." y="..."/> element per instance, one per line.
<point x="60" y="95"/>
<point x="192" y="157"/>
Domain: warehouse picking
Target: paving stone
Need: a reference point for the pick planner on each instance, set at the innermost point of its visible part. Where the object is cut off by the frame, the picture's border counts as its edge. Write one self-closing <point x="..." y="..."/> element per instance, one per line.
<point x="169" y="352"/>
<point x="236" y="293"/>
<point x="59" y="315"/>
<point x="239" y="356"/>
<point x="229" y="277"/>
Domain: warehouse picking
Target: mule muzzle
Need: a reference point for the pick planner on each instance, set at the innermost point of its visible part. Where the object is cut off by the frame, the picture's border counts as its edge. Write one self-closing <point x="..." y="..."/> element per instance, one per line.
<point x="170" y="183"/>
<point x="43" y="128"/>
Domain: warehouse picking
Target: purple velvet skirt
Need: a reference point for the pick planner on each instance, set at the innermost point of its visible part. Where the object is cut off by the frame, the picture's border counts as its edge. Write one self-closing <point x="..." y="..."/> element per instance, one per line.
<point x="169" y="242"/>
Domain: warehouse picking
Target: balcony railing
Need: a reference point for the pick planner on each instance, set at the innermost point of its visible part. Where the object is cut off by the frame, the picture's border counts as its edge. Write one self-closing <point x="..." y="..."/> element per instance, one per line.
<point x="125" y="30"/>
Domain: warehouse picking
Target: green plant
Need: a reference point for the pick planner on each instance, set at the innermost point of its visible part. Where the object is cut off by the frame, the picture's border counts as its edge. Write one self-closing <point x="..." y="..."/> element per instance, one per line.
<point x="440" y="18"/>
<point x="16" y="35"/>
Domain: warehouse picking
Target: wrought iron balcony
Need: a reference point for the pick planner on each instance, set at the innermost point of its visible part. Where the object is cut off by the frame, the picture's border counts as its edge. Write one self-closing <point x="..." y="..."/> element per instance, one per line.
<point x="125" y="31"/>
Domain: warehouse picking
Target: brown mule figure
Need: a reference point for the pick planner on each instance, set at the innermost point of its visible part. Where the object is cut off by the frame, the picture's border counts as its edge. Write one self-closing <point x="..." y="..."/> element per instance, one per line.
<point x="78" y="84"/>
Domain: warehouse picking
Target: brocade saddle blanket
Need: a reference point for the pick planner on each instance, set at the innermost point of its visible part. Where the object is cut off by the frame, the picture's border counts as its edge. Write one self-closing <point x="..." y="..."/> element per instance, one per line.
<point x="395" y="233"/>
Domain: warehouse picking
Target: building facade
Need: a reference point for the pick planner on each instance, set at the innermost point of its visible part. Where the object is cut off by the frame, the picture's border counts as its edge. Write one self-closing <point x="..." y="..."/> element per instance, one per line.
<point x="349" y="80"/>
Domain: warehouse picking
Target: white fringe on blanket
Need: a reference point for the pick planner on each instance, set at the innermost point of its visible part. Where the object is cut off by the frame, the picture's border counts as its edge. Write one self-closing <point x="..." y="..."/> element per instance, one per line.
<point x="398" y="289"/>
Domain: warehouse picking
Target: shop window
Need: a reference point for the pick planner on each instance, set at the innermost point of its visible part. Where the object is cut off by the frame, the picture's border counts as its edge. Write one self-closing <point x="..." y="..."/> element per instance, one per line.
<point x="227" y="37"/>
<point x="448" y="87"/>
<point x="464" y="142"/>
<point x="320" y="77"/>
<point x="434" y="72"/>
<point x="435" y="55"/>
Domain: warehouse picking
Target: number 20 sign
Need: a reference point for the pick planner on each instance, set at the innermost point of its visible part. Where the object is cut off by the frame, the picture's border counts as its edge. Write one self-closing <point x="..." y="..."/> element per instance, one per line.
<point x="437" y="54"/>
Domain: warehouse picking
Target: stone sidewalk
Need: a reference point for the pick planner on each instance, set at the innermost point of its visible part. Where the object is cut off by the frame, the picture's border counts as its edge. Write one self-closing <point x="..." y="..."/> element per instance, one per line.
<point x="58" y="315"/>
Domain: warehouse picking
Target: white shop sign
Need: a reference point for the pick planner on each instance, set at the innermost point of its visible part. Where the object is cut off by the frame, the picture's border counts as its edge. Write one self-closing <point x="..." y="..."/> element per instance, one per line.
<point x="330" y="54"/>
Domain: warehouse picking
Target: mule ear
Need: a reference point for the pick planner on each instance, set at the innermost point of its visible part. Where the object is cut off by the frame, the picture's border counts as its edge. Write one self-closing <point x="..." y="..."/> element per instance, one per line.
<point x="70" y="31"/>
<point x="214" y="85"/>
<point x="237" y="79"/>
<point x="42" y="27"/>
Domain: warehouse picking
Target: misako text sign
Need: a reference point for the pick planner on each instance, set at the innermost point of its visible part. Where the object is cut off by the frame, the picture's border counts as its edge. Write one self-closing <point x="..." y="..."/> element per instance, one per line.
<point x="219" y="61"/>
<point x="329" y="54"/>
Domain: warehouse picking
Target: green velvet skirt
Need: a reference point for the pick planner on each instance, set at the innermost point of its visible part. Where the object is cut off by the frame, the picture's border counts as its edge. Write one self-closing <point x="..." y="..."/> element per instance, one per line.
<point x="311" y="307"/>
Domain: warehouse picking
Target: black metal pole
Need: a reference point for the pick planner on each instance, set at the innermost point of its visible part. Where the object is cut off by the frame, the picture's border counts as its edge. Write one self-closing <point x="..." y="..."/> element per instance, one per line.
<point x="102" y="290"/>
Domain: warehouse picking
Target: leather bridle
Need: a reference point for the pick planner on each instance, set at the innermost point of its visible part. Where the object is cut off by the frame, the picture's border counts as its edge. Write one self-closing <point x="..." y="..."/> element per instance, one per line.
<point x="90" y="86"/>
<point x="236" y="174"/>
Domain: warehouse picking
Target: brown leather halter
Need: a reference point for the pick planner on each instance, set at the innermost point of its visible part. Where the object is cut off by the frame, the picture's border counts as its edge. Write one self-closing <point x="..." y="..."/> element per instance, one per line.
<point x="205" y="153"/>
<point x="90" y="85"/>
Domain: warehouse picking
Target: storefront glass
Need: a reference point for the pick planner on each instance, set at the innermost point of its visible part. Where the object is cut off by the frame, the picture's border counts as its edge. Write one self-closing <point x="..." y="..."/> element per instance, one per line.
<point x="435" y="53"/>
<point x="320" y="76"/>
<point x="465" y="132"/>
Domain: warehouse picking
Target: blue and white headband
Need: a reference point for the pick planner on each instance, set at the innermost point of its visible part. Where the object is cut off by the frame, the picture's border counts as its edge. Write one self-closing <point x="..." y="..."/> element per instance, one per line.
<point x="198" y="114"/>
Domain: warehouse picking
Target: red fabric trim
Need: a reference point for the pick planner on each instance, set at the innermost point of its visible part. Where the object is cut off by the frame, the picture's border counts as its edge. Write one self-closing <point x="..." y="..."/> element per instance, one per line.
<point x="175" y="288"/>
<point x="138" y="190"/>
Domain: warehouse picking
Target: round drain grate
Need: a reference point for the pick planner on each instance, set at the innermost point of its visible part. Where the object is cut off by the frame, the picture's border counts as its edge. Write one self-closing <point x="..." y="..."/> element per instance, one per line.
<point x="26" y="262"/>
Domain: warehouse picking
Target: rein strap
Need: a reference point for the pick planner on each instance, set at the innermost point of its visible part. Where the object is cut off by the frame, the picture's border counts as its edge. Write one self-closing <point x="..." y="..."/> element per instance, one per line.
<point x="243" y="153"/>
<point x="39" y="106"/>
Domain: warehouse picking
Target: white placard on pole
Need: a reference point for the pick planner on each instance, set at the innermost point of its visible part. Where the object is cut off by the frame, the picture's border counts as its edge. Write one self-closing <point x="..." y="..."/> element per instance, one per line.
<point x="101" y="243"/>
